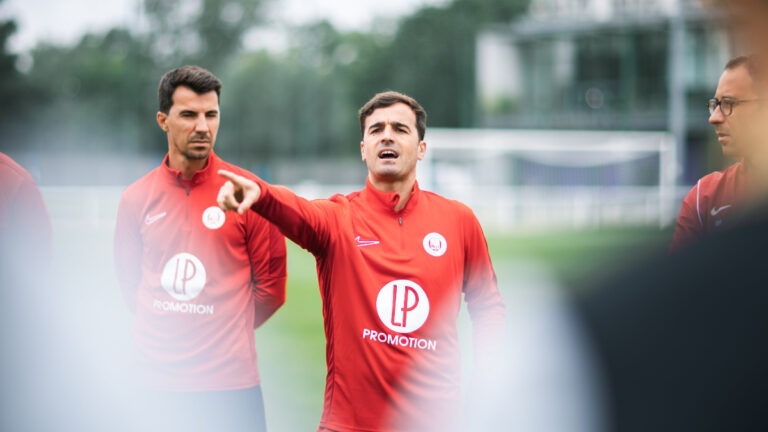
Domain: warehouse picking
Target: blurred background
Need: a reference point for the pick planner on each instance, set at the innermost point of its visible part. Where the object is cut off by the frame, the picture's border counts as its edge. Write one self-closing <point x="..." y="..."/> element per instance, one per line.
<point x="573" y="128"/>
<point x="80" y="80"/>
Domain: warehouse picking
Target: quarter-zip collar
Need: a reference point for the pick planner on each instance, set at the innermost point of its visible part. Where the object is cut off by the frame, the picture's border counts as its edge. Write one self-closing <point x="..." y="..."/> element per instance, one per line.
<point x="198" y="177"/>
<point x="388" y="200"/>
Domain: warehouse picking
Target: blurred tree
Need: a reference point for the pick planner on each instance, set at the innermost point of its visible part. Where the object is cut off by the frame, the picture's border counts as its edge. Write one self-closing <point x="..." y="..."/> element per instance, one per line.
<point x="490" y="11"/>
<point x="19" y="99"/>
<point x="204" y="32"/>
<point x="100" y="94"/>
<point x="301" y="103"/>
<point x="293" y="104"/>
<point x="432" y="58"/>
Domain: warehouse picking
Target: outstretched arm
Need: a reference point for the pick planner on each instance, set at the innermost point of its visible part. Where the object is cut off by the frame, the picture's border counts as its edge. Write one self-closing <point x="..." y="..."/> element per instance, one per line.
<point x="305" y="223"/>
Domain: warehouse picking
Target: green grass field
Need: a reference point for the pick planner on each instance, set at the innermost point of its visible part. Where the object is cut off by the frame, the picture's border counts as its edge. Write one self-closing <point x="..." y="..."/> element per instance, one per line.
<point x="291" y="344"/>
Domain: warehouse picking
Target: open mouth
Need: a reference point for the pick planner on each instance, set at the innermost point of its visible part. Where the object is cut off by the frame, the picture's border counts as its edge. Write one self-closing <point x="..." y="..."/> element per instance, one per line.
<point x="388" y="154"/>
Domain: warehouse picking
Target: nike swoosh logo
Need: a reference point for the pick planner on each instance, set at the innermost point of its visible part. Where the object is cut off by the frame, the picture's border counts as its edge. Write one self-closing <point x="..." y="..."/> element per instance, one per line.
<point x="716" y="210"/>
<point x="362" y="243"/>
<point x="149" y="220"/>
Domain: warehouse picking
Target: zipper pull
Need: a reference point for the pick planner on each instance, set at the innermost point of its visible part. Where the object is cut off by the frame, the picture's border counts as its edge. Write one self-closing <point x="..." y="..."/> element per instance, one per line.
<point x="400" y="220"/>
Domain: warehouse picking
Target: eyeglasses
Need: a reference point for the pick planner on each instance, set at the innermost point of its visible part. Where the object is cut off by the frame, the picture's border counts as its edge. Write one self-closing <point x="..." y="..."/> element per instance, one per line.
<point x="726" y="104"/>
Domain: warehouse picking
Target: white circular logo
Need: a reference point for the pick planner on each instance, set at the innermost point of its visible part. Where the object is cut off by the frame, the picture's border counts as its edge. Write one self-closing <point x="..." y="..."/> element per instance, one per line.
<point x="214" y="217"/>
<point x="403" y="306"/>
<point x="435" y="244"/>
<point x="183" y="277"/>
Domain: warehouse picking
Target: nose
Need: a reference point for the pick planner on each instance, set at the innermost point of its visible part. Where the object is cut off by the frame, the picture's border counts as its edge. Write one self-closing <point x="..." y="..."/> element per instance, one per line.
<point x="388" y="133"/>
<point x="202" y="123"/>
<point x="717" y="116"/>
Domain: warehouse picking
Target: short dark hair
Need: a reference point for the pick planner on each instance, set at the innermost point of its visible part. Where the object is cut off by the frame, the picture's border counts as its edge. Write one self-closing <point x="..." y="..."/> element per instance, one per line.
<point x="196" y="78"/>
<point x="753" y="64"/>
<point x="389" y="98"/>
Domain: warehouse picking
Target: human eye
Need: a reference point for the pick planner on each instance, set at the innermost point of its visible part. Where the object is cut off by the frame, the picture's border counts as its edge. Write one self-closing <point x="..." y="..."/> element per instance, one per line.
<point x="728" y="102"/>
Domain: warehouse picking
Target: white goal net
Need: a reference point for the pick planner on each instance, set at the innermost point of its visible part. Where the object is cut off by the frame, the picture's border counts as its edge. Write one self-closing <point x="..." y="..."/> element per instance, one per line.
<point x="518" y="179"/>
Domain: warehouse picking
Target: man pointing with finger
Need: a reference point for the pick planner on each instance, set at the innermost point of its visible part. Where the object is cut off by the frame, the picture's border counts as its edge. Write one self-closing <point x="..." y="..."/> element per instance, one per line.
<point x="393" y="262"/>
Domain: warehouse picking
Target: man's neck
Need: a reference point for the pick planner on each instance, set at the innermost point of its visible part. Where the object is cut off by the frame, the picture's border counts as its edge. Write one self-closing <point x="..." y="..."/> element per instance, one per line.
<point x="403" y="188"/>
<point x="755" y="167"/>
<point x="187" y="167"/>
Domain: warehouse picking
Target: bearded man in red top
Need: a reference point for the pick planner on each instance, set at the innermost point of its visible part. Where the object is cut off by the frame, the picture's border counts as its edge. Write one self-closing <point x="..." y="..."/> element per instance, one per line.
<point x="198" y="279"/>
<point x="393" y="263"/>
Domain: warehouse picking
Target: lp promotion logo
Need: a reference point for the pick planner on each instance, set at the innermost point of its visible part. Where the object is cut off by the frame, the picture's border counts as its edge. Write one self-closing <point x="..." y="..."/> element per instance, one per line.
<point x="403" y="306"/>
<point x="183" y="277"/>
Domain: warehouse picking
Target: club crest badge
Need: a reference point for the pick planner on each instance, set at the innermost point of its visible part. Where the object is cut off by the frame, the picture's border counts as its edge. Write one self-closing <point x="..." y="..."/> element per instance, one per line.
<point x="435" y="244"/>
<point x="214" y="217"/>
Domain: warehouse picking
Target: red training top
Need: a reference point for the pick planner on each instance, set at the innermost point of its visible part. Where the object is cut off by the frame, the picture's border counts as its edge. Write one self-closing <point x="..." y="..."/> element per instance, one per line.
<point x="391" y="284"/>
<point x="708" y="207"/>
<point x="25" y="227"/>
<point x="199" y="279"/>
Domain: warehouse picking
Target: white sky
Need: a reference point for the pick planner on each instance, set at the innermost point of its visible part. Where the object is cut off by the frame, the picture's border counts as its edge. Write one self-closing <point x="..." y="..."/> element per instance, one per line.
<point x="64" y="21"/>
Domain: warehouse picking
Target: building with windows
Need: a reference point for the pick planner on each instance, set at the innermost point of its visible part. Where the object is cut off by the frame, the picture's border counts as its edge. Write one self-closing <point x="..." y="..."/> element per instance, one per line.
<point x="608" y="65"/>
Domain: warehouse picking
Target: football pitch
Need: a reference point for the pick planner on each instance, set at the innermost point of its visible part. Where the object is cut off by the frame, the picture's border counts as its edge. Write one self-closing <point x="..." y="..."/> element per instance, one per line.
<point x="291" y="345"/>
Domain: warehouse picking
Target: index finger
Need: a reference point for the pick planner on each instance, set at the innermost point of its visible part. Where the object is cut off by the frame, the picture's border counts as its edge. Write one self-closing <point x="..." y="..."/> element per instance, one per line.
<point x="234" y="178"/>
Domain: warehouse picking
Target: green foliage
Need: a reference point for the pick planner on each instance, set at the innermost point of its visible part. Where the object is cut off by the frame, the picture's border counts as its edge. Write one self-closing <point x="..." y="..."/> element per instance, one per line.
<point x="19" y="99"/>
<point x="290" y="105"/>
<point x="491" y="11"/>
<point x="434" y="50"/>
<point x="431" y="57"/>
<point x="207" y="33"/>
<point x="100" y="94"/>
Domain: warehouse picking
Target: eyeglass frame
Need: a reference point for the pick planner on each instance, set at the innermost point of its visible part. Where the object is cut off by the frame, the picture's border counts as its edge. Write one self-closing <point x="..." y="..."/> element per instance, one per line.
<point x="713" y="103"/>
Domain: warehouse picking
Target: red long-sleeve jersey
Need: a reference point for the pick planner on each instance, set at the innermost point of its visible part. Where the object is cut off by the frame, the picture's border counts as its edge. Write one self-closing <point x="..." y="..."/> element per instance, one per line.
<point x="199" y="280"/>
<point x="25" y="227"/>
<point x="391" y="284"/>
<point x="708" y="207"/>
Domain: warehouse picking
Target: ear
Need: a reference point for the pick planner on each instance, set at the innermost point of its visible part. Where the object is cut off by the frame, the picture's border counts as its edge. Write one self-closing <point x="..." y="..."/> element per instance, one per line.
<point x="422" y="150"/>
<point x="161" y="120"/>
<point x="362" y="150"/>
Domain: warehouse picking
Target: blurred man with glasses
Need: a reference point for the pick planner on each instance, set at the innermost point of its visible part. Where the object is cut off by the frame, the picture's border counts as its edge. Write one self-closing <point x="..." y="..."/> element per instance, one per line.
<point x="738" y="114"/>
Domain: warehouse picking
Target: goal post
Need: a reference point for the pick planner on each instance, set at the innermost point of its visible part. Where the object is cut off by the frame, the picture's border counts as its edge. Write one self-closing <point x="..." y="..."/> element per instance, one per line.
<point x="516" y="179"/>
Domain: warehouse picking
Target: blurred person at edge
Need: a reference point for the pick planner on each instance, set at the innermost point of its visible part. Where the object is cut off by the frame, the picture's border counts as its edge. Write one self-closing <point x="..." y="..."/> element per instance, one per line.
<point x="674" y="344"/>
<point x="198" y="279"/>
<point x="679" y="340"/>
<point x="28" y="329"/>
<point x="393" y="262"/>
<point x="739" y="115"/>
<point x="748" y="23"/>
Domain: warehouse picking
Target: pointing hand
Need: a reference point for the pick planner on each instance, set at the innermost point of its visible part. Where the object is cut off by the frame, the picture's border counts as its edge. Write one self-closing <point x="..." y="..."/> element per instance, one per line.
<point x="238" y="193"/>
